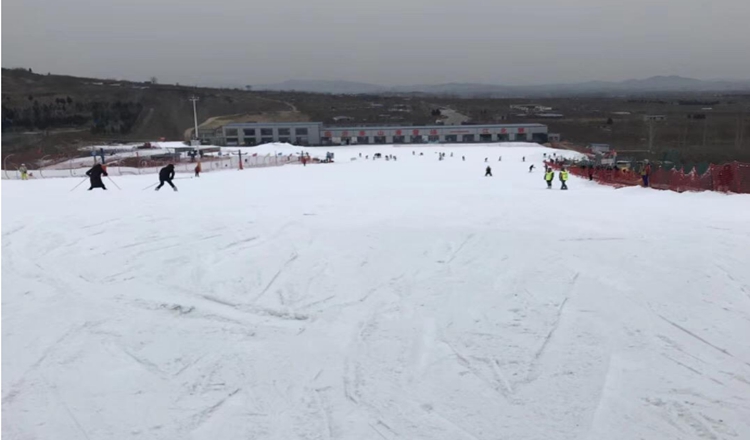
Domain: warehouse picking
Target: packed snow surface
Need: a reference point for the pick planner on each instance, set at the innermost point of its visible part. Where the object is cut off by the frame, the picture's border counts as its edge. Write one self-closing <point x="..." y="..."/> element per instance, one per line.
<point x="409" y="299"/>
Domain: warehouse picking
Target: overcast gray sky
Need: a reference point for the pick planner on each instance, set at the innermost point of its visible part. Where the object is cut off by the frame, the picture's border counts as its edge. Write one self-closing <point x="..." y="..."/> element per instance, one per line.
<point x="390" y="42"/>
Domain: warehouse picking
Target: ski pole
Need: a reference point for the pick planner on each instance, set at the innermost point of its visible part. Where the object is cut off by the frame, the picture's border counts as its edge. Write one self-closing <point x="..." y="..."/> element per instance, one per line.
<point x="113" y="183"/>
<point x="79" y="184"/>
<point x="150" y="186"/>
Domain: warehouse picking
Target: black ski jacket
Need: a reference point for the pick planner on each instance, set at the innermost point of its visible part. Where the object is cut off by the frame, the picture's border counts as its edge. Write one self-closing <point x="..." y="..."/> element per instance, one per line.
<point x="96" y="172"/>
<point x="167" y="173"/>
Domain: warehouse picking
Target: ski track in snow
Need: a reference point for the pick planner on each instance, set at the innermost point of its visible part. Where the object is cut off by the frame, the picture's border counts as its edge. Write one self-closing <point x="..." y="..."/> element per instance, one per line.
<point x="375" y="300"/>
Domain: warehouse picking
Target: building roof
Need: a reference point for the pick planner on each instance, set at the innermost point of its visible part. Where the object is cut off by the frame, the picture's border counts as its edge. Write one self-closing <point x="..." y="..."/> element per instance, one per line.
<point x="379" y="127"/>
<point x="430" y="127"/>
<point x="270" y="124"/>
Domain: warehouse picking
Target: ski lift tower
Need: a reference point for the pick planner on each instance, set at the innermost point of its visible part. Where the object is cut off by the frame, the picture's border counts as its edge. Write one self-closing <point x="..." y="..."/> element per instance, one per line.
<point x="195" y="141"/>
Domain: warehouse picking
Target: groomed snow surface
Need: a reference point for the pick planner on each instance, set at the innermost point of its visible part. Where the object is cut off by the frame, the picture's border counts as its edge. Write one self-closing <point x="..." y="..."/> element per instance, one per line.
<point x="377" y="300"/>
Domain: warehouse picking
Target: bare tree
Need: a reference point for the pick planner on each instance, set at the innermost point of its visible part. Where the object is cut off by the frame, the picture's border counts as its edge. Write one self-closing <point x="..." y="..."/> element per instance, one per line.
<point x="154" y="80"/>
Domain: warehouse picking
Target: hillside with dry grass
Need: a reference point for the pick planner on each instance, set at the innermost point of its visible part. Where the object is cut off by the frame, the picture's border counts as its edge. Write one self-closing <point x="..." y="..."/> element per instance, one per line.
<point x="50" y="113"/>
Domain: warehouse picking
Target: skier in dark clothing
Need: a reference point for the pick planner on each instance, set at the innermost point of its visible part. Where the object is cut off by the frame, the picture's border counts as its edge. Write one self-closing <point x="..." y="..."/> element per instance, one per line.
<point x="488" y="172"/>
<point x="531" y="168"/>
<point x="166" y="174"/>
<point x="95" y="175"/>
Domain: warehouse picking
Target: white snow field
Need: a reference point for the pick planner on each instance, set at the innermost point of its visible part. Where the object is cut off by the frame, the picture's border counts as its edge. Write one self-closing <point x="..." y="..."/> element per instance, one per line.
<point x="377" y="300"/>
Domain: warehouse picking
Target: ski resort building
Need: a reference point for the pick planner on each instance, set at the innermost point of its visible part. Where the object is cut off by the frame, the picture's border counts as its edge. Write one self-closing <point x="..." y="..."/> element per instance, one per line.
<point x="315" y="133"/>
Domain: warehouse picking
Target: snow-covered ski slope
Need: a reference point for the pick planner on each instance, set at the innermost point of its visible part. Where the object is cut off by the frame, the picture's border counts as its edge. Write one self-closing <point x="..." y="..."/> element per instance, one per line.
<point x="377" y="300"/>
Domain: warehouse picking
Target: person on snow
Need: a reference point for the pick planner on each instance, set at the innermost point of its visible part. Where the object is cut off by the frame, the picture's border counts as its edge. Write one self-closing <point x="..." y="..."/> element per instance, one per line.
<point x="451" y="154"/>
<point x="549" y="175"/>
<point x="198" y="170"/>
<point x="645" y="173"/>
<point x="24" y="172"/>
<point x="95" y="176"/>
<point x="166" y="175"/>
<point x="523" y="159"/>
<point x="531" y="168"/>
<point x="463" y="158"/>
<point x="500" y="159"/>
<point x="564" y="178"/>
<point x="485" y="159"/>
<point x="488" y="171"/>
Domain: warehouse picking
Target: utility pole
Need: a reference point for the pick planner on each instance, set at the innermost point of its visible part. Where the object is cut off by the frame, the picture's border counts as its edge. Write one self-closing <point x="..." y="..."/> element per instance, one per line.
<point x="195" y="116"/>
<point x="705" y="131"/>
<point x="650" y="135"/>
<point x="739" y="137"/>
<point x="742" y="129"/>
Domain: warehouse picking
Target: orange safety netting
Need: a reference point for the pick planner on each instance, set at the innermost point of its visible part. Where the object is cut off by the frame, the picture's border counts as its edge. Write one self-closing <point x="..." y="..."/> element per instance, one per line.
<point x="730" y="177"/>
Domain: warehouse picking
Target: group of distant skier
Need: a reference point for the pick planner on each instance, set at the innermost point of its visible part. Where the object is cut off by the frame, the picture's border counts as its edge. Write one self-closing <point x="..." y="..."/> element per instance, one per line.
<point x="549" y="173"/>
<point x="380" y="156"/>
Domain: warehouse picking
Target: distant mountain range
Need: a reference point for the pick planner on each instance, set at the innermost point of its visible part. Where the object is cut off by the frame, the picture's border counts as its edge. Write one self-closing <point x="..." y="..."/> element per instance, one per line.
<point x="655" y="84"/>
<point x="316" y="86"/>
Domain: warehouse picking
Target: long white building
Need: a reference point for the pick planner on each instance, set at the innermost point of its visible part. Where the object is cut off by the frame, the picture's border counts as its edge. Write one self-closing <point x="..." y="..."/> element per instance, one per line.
<point x="315" y="133"/>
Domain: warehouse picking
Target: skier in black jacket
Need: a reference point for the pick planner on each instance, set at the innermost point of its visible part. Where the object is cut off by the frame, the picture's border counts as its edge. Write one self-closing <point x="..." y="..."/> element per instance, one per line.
<point x="166" y="174"/>
<point x="95" y="175"/>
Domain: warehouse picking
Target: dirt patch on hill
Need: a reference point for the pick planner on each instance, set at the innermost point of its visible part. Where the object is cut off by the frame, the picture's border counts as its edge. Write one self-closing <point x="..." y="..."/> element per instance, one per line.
<point x="219" y="121"/>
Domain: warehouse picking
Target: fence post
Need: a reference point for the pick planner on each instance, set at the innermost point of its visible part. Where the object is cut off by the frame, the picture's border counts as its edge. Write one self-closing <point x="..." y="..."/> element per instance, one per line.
<point x="41" y="165"/>
<point x="5" y="165"/>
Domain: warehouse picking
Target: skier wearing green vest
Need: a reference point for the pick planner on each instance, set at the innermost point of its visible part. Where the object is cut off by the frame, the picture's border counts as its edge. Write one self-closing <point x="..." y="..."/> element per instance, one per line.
<point x="549" y="175"/>
<point x="564" y="178"/>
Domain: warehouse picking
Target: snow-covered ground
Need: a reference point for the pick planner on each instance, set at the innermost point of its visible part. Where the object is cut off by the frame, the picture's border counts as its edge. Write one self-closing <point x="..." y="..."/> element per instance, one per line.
<point x="377" y="300"/>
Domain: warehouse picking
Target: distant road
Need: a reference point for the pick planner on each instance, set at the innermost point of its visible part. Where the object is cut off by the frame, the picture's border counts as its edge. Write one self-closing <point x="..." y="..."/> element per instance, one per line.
<point x="453" y="117"/>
